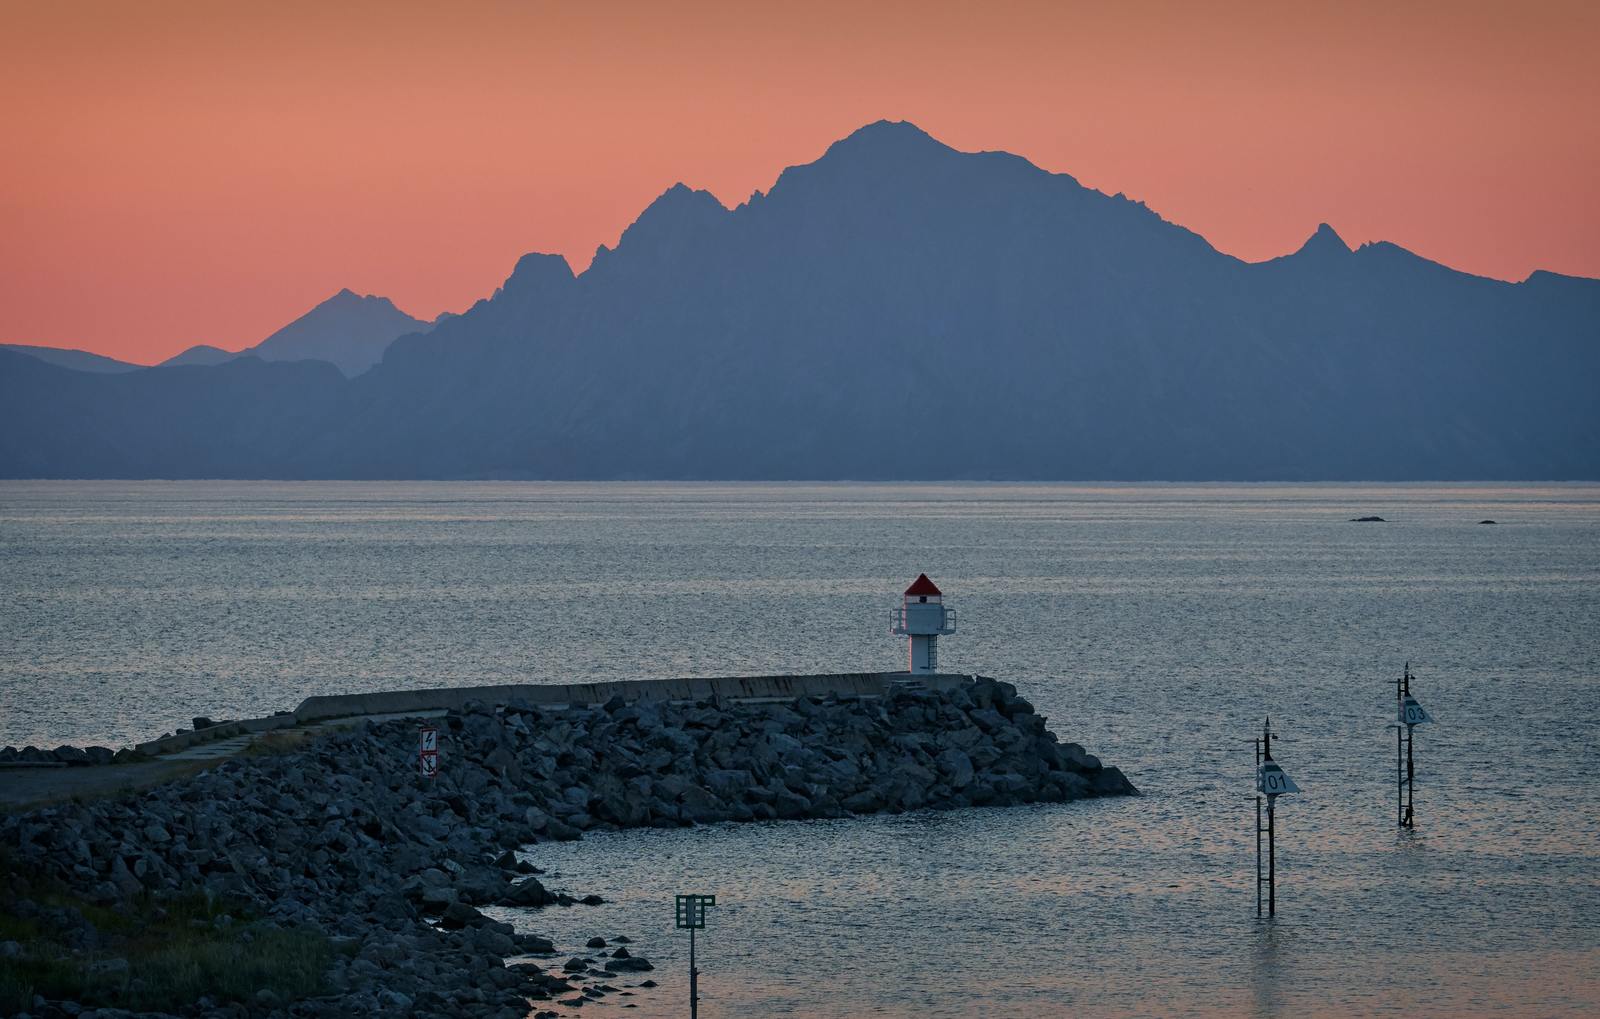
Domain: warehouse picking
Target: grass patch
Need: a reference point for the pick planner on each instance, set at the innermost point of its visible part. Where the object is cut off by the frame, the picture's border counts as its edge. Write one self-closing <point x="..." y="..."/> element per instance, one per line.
<point x="157" y="954"/>
<point x="29" y="789"/>
<point x="277" y="741"/>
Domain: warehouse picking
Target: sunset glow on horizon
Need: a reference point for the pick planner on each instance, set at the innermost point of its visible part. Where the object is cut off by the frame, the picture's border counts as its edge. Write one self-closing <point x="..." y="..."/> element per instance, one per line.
<point x="182" y="173"/>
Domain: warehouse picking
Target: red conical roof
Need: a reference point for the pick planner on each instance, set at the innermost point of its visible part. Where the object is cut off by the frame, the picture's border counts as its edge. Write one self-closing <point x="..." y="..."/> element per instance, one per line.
<point x="922" y="586"/>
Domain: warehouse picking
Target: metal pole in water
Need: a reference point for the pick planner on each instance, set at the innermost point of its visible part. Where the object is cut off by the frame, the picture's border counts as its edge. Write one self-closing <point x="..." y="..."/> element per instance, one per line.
<point x="1258" y="836"/>
<point x="1272" y="834"/>
<point x="1272" y="859"/>
<point x="1409" y="714"/>
<point x="1272" y="782"/>
<point x="691" y="916"/>
<point x="1411" y="763"/>
<point x="1399" y="778"/>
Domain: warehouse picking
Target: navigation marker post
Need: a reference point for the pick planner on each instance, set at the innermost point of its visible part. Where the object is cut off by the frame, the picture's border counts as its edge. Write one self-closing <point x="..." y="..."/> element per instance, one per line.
<point x="1408" y="715"/>
<point x="428" y="752"/>
<point x="1272" y="783"/>
<point x="691" y="916"/>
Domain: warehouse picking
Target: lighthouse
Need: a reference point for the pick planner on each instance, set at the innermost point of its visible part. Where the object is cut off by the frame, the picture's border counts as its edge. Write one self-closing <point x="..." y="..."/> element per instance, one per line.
<point x="923" y="618"/>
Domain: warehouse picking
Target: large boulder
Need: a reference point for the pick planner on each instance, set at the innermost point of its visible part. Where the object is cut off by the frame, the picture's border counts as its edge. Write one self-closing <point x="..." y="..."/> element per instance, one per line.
<point x="458" y="915"/>
<point x="956" y="767"/>
<point x="629" y="964"/>
<point x="528" y="892"/>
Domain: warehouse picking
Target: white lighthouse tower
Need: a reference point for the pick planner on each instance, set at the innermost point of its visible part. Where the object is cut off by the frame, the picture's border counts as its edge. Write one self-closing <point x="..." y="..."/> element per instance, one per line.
<point x="923" y="618"/>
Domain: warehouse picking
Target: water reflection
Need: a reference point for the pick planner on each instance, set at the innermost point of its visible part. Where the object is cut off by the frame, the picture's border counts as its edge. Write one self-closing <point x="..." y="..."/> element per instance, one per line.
<point x="1269" y="953"/>
<point x="1154" y="624"/>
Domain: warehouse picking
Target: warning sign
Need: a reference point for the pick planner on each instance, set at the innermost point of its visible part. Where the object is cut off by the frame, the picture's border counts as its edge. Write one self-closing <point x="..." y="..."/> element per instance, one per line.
<point x="428" y="753"/>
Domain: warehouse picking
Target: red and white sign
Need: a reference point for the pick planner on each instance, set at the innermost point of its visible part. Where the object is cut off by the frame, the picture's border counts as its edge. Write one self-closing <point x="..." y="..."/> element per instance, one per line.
<point x="428" y="753"/>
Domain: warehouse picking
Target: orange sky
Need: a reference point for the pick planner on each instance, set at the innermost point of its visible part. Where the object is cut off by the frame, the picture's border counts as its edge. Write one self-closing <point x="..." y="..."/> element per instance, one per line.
<point x="175" y="173"/>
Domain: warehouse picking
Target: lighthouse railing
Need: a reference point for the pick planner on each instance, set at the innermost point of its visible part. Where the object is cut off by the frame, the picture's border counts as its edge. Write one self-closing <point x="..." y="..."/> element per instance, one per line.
<point x="899" y="621"/>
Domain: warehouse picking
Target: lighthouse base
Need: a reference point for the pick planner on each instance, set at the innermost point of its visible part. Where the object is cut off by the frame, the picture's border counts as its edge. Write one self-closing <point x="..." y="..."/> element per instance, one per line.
<point x="924" y="655"/>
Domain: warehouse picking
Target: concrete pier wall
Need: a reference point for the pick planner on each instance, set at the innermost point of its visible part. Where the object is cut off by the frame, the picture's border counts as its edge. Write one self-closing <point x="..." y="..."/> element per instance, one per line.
<point x="868" y="684"/>
<point x="400" y="702"/>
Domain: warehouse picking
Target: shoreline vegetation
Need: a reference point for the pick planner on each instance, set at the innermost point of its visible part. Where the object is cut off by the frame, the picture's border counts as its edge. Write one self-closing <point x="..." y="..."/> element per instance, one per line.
<point x="324" y="877"/>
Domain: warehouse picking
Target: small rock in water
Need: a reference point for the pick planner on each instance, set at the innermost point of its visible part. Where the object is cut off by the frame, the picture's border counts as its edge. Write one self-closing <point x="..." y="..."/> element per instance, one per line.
<point x="634" y="964"/>
<point x="1368" y="520"/>
<point x="527" y="892"/>
<point x="533" y="943"/>
<point x="1486" y="521"/>
<point x="596" y="943"/>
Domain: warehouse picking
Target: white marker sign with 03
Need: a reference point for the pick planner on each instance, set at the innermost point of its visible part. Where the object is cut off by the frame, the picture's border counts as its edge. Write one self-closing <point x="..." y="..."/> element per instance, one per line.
<point x="1412" y="713"/>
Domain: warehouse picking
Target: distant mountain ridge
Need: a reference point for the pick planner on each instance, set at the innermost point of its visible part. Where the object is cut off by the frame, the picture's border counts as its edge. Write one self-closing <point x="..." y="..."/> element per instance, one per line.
<point x="201" y="354"/>
<point x="77" y="360"/>
<point x="348" y="330"/>
<point x="900" y="310"/>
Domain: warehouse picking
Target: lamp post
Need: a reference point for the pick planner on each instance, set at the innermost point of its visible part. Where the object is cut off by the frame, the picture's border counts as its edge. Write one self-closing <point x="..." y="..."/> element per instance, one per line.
<point x="1272" y="783"/>
<point x="691" y="916"/>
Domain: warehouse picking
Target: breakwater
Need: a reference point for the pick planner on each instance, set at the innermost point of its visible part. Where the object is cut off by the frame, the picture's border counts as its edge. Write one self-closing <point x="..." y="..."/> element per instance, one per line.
<point x="340" y="837"/>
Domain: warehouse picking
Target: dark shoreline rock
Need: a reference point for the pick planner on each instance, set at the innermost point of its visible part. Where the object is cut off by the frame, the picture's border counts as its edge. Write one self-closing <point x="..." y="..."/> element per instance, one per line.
<point x="62" y="756"/>
<point x="341" y="835"/>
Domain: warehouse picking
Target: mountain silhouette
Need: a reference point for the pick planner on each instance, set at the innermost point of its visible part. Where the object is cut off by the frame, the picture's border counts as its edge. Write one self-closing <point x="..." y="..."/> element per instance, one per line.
<point x="77" y="360"/>
<point x="202" y="354"/>
<point x="901" y="310"/>
<point x="347" y="330"/>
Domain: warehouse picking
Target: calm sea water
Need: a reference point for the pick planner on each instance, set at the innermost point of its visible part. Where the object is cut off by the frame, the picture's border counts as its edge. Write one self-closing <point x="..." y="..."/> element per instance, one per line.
<point x="1154" y="624"/>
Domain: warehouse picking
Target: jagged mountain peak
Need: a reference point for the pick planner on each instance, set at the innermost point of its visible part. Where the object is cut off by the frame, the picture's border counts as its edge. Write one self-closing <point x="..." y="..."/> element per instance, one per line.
<point x="898" y="136"/>
<point x="347" y="298"/>
<point x="537" y="270"/>
<point x="677" y="211"/>
<point x="1325" y="240"/>
<point x="882" y="148"/>
<point x="348" y="329"/>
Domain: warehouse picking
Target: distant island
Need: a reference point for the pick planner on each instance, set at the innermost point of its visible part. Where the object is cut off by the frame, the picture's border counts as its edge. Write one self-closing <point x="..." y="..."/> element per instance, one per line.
<point x="894" y="310"/>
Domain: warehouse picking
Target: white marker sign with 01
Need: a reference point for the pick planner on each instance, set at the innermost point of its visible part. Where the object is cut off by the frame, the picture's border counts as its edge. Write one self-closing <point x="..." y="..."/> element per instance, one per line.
<point x="1272" y="781"/>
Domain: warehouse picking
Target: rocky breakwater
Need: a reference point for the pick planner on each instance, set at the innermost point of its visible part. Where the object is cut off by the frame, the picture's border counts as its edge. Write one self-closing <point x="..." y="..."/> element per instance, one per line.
<point x="341" y="838"/>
